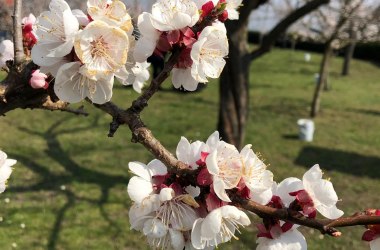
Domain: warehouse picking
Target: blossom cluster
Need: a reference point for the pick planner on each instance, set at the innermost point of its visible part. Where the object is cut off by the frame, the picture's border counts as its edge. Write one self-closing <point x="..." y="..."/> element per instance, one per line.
<point x="5" y="170"/>
<point x="199" y="212"/>
<point x="84" y="52"/>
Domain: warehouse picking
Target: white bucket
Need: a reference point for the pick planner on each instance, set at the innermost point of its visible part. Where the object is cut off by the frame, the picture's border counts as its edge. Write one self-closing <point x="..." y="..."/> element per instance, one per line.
<point x="306" y="129"/>
<point x="307" y="57"/>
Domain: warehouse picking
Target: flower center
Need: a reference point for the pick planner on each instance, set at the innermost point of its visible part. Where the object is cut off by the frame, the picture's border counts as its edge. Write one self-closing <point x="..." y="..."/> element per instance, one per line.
<point x="99" y="47"/>
<point x="230" y="171"/>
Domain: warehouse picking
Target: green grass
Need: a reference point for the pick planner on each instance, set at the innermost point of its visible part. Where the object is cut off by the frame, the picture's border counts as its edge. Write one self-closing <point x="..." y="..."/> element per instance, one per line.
<point x="55" y="149"/>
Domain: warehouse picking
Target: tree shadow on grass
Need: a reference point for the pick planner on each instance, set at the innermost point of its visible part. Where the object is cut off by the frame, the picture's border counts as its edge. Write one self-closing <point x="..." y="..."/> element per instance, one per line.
<point x="346" y="162"/>
<point x="74" y="173"/>
<point x="366" y="111"/>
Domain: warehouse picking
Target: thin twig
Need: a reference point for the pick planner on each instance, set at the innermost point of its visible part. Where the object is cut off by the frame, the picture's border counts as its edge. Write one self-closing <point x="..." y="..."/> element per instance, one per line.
<point x="62" y="106"/>
<point x="17" y="34"/>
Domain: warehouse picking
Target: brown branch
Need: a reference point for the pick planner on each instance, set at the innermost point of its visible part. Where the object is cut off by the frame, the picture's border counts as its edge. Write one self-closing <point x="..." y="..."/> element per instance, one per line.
<point x="142" y="101"/>
<point x="62" y="106"/>
<point x="281" y="27"/>
<point x="325" y="226"/>
<point x="17" y="34"/>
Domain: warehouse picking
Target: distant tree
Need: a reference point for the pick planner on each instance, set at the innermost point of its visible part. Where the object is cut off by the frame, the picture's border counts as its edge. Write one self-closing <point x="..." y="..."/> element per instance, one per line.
<point x="234" y="81"/>
<point x="337" y="25"/>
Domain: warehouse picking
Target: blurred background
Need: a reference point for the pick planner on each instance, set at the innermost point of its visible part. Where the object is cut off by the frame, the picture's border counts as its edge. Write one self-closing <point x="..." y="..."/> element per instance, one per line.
<point x="286" y="62"/>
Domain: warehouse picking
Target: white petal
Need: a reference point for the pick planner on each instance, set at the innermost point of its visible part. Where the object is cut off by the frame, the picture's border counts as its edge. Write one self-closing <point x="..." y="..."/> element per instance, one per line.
<point x="213" y="140"/>
<point x="212" y="163"/>
<point x="156" y="167"/>
<point x="287" y="186"/>
<point x="331" y="212"/>
<point x="291" y="240"/>
<point x="235" y="214"/>
<point x="233" y="14"/>
<point x="140" y="169"/>
<point x="144" y="48"/>
<point x="322" y="192"/>
<point x="166" y="194"/>
<point x="70" y="24"/>
<point x="211" y="224"/>
<point x="6" y="170"/>
<point x="139" y="188"/>
<point x="219" y="189"/>
<point x="183" y="77"/>
<point x="155" y="228"/>
<point x="177" y="239"/>
<point x="193" y="191"/>
<point x="67" y="83"/>
<point x="313" y="174"/>
<point x="261" y="197"/>
<point x="40" y="52"/>
<point x="140" y="212"/>
<point x="183" y="149"/>
<point x="146" y="28"/>
<point x="196" y="237"/>
<point x="103" y="90"/>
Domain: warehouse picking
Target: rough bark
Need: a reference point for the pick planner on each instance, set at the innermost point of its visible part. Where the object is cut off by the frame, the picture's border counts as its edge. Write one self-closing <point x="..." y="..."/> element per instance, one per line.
<point x="323" y="73"/>
<point x="234" y="101"/>
<point x="349" y="53"/>
<point x="234" y="89"/>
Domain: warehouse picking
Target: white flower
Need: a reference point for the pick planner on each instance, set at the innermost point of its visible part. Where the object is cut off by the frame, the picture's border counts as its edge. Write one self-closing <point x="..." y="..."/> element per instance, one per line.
<point x="149" y="36"/>
<point x="194" y="153"/>
<point x="290" y="240"/>
<point x="219" y="226"/>
<point x="225" y="165"/>
<point x="208" y="53"/>
<point x="29" y="20"/>
<point x="231" y="8"/>
<point x="72" y="86"/>
<point x="170" y="15"/>
<point x="102" y="48"/>
<point x="114" y="13"/>
<point x="141" y="186"/>
<point x="161" y="237"/>
<point x="193" y="191"/>
<point x="256" y="177"/>
<point x="184" y="78"/>
<point x="6" y="52"/>
<point x="136" y="75"/>
<point x="5" y="169"/>
<point x="322" y="193"/>
<point x="55" y="30"/>
<point x="164" y="218"/>
<point x="189" y="153"/>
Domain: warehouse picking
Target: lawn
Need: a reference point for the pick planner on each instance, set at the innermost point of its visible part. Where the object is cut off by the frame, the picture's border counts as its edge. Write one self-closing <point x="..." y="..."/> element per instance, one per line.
<point x="68" y="190"/>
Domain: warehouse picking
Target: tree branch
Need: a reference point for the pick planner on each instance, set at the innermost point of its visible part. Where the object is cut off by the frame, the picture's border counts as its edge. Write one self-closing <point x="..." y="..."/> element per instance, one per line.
<point x="325" y="226"/>
<point x="17" y="34"/>
<point x="281" y="27"/>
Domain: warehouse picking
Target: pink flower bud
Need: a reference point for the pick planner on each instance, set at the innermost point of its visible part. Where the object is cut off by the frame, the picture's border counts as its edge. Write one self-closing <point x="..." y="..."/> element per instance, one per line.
<point x="38" y="80"/>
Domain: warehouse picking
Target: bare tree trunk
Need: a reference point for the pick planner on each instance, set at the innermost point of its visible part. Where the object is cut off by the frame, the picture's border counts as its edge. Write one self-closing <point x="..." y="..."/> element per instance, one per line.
<point x="349" y="53"/>
<point x="234" y="89"/>
<point x="234" y="81"/>
<point x="315" y="106"/>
